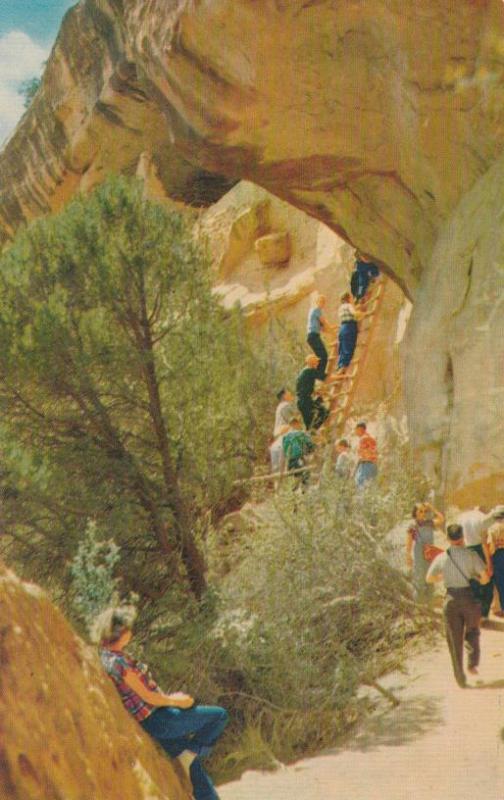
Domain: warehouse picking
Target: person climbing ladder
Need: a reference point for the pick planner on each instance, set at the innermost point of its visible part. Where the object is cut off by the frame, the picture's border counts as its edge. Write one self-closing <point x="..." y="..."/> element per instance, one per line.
<point x="296" y="446"/>
<point x="365" y="271"/>
<point x="316" y="324"/>
<point x="314" y="412"/>
<point x="347" y="336"/>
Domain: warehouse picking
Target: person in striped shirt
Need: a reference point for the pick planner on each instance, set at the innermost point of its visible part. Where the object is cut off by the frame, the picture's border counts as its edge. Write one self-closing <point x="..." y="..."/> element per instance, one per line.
<point x="347" y="334"/>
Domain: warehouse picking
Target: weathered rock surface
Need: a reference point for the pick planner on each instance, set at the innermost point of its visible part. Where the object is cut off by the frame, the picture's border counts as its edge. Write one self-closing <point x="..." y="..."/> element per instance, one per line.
<point x="320" y="261"/>
<point x="376" y="116"/>
<point x="64" y="734"/>
<point x="455" y="368"/>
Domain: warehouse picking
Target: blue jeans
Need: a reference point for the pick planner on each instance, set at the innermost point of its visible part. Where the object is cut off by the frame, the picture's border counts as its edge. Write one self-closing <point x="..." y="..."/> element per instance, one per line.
<point x="347" y="338"/>
<point x="366" y="471"/>
<point x="196" y="729"/>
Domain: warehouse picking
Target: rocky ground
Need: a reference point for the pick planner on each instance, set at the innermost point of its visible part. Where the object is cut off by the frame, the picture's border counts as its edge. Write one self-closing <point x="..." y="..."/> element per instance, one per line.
<point x="440" y="742"/>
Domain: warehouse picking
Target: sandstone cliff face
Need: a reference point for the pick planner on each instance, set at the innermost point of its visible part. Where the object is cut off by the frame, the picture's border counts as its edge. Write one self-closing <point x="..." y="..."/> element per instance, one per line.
<point x="64" y="734"/>
<point x="455" y="369"/>
<point x="318" y="261"/>
<point x="377" y="117"/>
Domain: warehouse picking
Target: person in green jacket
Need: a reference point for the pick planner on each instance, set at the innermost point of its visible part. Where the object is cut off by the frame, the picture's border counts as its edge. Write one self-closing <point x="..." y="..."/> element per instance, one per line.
<point x="296" y="446"/>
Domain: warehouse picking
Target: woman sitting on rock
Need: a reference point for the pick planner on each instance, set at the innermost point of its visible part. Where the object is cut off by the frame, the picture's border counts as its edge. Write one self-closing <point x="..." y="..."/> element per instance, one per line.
<point x="184" y="730"/>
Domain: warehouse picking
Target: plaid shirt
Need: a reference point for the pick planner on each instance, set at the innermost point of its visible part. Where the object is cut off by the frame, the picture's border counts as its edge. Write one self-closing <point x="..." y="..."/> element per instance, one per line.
<point x="116" y="665"/>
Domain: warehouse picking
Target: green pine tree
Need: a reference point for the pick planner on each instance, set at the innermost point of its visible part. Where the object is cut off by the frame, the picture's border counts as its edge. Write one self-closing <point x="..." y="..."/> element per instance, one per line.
<point x="127" y="395"/>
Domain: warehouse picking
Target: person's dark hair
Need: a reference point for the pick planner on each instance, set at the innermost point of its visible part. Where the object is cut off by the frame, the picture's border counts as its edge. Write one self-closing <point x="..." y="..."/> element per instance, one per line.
<point x="416" y="508"/>
<point x="455" y="532"/>
<point x="281" y="393"/>
<point x="361" y="425"/>
<point x="343" y="443"/>
<point x="345" y="297"/>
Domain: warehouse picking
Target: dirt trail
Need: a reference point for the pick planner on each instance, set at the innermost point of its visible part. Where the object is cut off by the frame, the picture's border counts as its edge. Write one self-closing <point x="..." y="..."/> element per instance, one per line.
<point x="441" y="743"/>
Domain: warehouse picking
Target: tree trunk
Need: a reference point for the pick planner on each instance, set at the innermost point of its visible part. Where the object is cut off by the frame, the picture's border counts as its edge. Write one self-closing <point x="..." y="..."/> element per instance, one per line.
<point x="191" y="556"/>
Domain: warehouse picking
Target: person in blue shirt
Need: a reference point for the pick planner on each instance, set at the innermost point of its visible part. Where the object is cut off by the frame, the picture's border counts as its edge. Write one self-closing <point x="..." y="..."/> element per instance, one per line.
<point x="365" y="271"/>
<point x="316" y="324"/>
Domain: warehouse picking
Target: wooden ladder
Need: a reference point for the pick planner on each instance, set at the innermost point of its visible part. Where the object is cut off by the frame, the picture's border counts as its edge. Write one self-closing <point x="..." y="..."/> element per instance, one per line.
<point x="341" y="393"/>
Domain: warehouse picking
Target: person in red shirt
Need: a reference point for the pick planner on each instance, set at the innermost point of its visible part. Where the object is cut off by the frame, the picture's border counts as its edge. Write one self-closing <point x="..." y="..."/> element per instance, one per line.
<point x="367" y="452"/>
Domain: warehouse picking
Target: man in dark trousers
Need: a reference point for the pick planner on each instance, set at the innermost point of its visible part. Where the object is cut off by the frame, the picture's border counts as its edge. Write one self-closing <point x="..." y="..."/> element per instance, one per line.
<point x="314" y="413"/>
<point x="462" y="612"/>
<point x="364" y="273"/>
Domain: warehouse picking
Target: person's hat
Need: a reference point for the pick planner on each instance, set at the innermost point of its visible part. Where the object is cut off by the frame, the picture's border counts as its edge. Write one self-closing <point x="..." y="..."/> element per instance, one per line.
<point x="498" y="512"/>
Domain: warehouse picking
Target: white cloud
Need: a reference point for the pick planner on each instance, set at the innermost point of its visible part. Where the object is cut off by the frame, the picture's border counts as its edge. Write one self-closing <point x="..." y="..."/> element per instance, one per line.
<point x="11" y="109"/>
<point x="21" y="58"/>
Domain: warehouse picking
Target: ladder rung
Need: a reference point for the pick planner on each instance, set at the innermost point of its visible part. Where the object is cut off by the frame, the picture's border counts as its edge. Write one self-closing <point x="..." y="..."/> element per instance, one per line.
<point x="341" y="393"/>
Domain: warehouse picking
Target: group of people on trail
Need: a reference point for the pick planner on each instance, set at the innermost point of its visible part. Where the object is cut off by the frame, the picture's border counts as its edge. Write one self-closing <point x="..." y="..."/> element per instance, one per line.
<point x="290" y="444"/>
<point x="470" y="567"/>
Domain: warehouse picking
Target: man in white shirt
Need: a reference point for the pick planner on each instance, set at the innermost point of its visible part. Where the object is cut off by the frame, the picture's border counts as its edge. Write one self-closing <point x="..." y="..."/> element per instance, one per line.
<point x="462" y="612"/>
<point x="475" y="524"/>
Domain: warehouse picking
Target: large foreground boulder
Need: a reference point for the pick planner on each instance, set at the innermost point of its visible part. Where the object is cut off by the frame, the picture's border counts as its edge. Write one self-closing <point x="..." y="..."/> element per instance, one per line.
<point x="64" y="734"/>
<point x="378" y="117"/>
